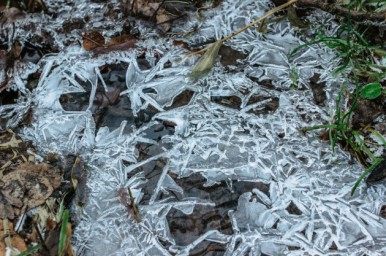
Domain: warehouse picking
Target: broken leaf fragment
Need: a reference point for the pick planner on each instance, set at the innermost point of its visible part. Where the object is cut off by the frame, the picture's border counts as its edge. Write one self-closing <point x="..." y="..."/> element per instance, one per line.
<point x="206" y="62"/>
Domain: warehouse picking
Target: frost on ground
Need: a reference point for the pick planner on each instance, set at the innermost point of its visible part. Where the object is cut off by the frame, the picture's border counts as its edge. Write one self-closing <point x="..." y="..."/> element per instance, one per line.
<point x="219" y="142"/>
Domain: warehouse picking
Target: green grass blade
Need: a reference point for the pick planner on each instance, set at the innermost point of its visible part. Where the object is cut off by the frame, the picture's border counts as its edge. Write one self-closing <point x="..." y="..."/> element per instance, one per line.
<point x="359" y="36"/>
<point x="378" y="135"/>
<point x="322" y="126"/>
<point x="61" y="208"/>
<point x="30" y="250"/>
<point x="365" y="173"/>
<point x="331" y="42"/>
<point x="63" y="231"/>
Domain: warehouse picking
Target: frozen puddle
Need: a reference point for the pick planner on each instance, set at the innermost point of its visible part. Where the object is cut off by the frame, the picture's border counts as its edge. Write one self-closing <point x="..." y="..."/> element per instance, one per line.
<point x="210" y="177"/>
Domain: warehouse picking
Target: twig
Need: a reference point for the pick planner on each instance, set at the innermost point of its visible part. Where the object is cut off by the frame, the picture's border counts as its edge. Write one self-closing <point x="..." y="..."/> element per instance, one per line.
<point x="267" y="14"/>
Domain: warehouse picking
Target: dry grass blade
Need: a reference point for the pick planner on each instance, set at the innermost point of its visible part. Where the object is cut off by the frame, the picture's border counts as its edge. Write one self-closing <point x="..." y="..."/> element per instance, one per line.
<point x="207" y="61"/>
<point x="262" y="18"/>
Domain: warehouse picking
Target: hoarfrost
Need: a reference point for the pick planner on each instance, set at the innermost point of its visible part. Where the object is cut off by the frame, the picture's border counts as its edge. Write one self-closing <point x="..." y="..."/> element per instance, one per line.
<point x="308" y="208"/>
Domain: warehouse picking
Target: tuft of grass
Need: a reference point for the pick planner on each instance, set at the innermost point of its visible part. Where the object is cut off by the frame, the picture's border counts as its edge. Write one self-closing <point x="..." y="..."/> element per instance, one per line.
<point x="339" y="132"/>
<point x="365" y="5"/>
<point x="358" y="57"/>
<point x="356" y="54"/>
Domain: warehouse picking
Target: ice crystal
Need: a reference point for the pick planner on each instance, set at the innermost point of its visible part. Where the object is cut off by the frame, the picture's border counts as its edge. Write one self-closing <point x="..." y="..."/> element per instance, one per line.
<point x="308" y="209"/>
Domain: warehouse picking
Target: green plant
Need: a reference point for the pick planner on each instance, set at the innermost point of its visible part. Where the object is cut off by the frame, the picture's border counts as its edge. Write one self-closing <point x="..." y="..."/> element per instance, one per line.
<point x="61" y="218"/>
<point x="339" y="131"/>
<point x="63" y="232"/>
<point x="359" y="58"/>
<point x="365" y="5"/>
<point x="31" y="250"/>
<point x="372" y="91"/>
<point x="356" y="54"/>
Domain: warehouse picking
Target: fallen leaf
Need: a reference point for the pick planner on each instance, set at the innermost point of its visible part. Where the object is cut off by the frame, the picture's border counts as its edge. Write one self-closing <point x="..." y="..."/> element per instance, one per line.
<point x="92" y="40"/>
<point x="152" y="11"/>
<point x="206" y="62"/>
<point x="79" y="180"/>
<point x="120" y="40"/>
<point x="26" y="187"/>
<point x="163" y="20"/>
<point x="294" y="19"/>
<point x="10" y="15"/>
<point x="119" y="43"/>
<point x="16" y="240"/>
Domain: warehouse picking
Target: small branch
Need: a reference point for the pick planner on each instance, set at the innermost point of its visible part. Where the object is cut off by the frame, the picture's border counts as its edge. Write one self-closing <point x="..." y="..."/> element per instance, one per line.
<point x="266" y="15"/>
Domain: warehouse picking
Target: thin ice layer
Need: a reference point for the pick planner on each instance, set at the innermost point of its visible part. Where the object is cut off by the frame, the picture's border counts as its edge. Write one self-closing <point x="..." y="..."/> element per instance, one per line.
<point x="308" y="208"/>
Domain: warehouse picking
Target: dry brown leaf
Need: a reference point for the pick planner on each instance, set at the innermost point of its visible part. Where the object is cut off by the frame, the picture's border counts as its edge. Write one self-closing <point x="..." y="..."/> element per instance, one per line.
<point x="163" y="20"/>
<point x="120" y="40"/>
<point x="26" y="187"/>
<point x="150" y="11"/>
<point x="10" y="15"/>
<point x="7" y="62"/>
<point x="92" y="40"/>
<point x="16" y="241"/>
<point x="79" y="180"/>
<point x="119" y="43"/>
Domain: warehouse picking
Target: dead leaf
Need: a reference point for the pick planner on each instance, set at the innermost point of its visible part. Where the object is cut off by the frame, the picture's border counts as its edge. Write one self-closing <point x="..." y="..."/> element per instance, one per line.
<point x="27" y="187"/>
<point x="10" y="140"/>
<point x="206" y="62"/>
<point x="110" y="98"/>
<point x="163" y="20"/>
<point x="79" y="180"/>
<point x="119" y="43"/>
<point x="16" y="240"/>
<point x="10" y="15"/>
<point x="7" y="63"/>
<point x="13" y="151"/>
<point x="92" y="40"/>
<point x="120" y="40"/>
<point x="151" y="11"/>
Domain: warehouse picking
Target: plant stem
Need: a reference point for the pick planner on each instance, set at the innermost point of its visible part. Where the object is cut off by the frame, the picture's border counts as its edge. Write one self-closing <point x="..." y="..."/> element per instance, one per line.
<point x="267" y="14"/>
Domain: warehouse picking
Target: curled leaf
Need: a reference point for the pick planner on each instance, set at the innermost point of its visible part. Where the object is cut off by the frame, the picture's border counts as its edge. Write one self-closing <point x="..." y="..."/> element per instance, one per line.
<point x="206" y="62"/>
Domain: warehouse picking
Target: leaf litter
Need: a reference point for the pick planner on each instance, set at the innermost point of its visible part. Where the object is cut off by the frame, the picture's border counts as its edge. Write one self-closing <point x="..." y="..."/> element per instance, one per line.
<point x="26" y="189"/>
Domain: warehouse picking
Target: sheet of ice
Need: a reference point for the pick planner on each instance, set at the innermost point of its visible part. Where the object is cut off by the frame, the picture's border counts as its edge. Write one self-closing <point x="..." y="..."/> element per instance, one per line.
<point x="219" y="142"/>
